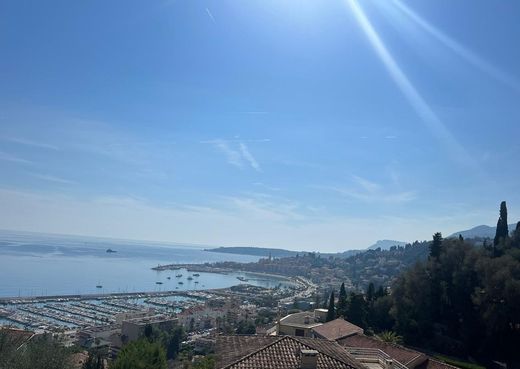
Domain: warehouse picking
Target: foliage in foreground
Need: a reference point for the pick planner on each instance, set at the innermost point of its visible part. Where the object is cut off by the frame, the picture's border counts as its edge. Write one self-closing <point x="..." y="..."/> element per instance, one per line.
<point x="42" y="352"/>
<point x="463" y="300"/>
<point x="141" y="354"/>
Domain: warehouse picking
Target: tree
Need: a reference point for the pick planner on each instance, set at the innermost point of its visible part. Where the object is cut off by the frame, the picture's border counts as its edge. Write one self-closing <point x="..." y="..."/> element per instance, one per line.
<point x="391" y="337"/>
<point x="342" y="301"/>
<point x="502" y="231"/>
<point x="331" y="313"/>
<point x="436" y="245"/>
<point x="94" y="361"/>
<point x="516" y="236"/>
<point x="43" y="352"/>
<point x="357" y="310"/>
<point x="371" y="292"/>
<point x="148" y="331"/>
<point x="141" y="354"/>
<point x="380" y="292"/>
<point x="207" y="362"/>
<point x="245" y="327"/>
<point x="172" y="341"/>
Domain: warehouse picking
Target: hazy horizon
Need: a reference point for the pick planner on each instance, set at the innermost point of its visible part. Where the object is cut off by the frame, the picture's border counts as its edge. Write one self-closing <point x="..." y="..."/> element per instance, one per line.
<point x="295" y="125"/>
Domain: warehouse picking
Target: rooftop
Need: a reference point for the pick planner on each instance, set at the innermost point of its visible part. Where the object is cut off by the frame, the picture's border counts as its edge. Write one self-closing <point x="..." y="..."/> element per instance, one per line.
<point x="256" y="352"/>
<point x="301" y="320"/>
<point x="409" y="358"/>
<point x="337" y="329"/>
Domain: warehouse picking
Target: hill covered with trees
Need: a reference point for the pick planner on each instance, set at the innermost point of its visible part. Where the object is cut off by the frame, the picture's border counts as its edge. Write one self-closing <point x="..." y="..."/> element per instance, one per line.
<point x="461" y="300"/>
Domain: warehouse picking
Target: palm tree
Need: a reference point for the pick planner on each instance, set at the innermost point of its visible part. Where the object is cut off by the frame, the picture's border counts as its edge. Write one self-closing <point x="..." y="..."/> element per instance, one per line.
<point x="390" y="337"/>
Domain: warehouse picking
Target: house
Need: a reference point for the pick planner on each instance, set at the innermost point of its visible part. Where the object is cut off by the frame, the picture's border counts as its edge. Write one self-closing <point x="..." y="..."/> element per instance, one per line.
<point x="133" y="329"/>
<point x="369" y="349"/>
<point x="301" y="324"/>
<point x="257" y="352"/>
<point x="336" y="329"/>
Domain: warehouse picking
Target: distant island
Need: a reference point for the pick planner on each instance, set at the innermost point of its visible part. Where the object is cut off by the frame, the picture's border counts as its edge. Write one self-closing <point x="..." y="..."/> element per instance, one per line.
<point x="110" y="251"/>
<point x="256" y="251"/>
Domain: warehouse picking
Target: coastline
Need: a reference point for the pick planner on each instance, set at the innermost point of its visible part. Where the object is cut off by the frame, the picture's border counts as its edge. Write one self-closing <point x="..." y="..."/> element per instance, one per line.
<point x="211" y="269"/>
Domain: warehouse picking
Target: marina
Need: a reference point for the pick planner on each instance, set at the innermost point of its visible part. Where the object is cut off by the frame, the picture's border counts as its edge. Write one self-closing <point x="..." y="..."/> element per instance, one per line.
<point x="73" y="312"/>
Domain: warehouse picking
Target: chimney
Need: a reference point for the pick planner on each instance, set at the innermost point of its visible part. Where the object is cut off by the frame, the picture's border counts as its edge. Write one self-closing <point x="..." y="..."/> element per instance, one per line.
<point x="308" y="359"/>
<point x="389" y="364"/>
<point x="306" y="319"/>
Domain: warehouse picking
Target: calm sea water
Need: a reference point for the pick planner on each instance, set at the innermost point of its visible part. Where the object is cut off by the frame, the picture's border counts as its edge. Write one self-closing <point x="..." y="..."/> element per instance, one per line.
<point x="36" y="264"/>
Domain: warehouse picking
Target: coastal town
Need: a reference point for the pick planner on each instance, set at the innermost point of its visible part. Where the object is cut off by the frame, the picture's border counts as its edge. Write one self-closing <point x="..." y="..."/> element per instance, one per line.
<point x="215" y="322"/>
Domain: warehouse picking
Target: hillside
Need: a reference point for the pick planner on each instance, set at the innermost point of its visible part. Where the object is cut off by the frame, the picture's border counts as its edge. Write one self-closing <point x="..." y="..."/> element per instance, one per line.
<point x="256" y="251"/>
<point x="386" y="244"/>
<point x="481" y="231"/>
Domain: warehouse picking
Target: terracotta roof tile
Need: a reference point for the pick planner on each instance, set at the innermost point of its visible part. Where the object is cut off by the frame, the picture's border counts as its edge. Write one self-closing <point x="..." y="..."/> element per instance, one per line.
<point x="435" y="364"/>
<point x="280" y="353"/>
<point x="405" y="356"/>
<point x="336" y="329"/>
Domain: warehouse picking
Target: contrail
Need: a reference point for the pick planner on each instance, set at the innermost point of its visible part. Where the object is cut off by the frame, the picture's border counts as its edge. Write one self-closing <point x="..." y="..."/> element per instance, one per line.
<point x="459" y="49"/>
<point x="415" y="99"/>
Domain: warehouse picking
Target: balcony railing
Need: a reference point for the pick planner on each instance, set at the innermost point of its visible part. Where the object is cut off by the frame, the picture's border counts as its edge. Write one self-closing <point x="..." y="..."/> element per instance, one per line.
<point x="372" y="355"/>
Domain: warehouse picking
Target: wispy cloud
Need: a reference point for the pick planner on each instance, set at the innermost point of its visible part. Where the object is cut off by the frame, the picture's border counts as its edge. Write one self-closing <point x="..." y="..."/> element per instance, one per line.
<point x="249" y="157"/>
<point x="13" y="159"/>
<point x="237" y="152"/>
<point x="364" y="190"/>
<point x="267" y="187"/>
<point x="26" y="142"/>
<point x="210" y="15"/>
<point x="366" y="184"/>
<point x="233" y="156"/>
<point x="269" y="222"/>
<point x="51" y="178"/>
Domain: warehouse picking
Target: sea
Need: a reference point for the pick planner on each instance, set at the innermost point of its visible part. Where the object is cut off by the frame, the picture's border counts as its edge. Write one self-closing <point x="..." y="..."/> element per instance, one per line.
<point x="34" y="264"/>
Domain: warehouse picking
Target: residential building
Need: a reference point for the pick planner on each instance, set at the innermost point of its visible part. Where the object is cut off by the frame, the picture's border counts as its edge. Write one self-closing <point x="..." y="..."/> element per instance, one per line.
<point x="257" y="352"/>
<point x="133" y="329"/>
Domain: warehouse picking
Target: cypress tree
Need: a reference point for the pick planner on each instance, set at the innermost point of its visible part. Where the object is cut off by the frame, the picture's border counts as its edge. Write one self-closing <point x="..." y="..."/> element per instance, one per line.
<point x="331" y="314"/>
<point x="381" y="292"/>
<point x="342" y="301"/>
<point x="436" y="245"/>
<point x="502" y="228"/>
<point x="516" y="236"/>
<point x="371" y="291"/>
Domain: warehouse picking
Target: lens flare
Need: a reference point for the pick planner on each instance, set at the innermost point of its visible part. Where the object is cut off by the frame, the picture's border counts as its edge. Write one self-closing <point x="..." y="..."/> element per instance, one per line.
<point x="459" y="49"/>
<point x="421" y="107"/>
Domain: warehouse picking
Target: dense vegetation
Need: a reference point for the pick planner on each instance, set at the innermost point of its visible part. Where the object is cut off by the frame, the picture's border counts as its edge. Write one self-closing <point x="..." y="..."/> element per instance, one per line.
<point x="462" y="300"/>
<point x="43" y="352"/>
<point x="141" y="354"/>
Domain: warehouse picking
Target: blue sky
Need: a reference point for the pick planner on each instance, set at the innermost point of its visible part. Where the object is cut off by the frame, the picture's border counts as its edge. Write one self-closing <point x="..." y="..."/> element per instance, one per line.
<point x="297" y="124"/>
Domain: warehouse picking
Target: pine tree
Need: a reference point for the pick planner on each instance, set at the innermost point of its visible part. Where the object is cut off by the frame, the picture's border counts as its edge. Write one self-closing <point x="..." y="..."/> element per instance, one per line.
<point x="461" y="239"/>
<point x="331" y="314"/>
<point x="502" y="228"/>
<point x="342" y="301"/>
<point x="436" y="245"/>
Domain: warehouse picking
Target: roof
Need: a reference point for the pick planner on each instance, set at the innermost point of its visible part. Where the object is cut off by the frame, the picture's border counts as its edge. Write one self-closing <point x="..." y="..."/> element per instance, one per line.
<point x="229" y="349"/>
<point x="298" y="320"/>
<point x="279" y="353"/>
<point x="435" y="364"/>
<point x="405" y="356"/>
<point x="336" y="329"/>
